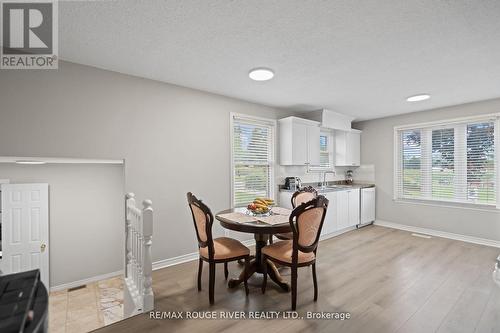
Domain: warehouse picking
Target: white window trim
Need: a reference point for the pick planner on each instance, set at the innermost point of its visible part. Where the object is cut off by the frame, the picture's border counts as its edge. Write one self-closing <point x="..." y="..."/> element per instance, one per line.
<point x="446" y="123"/>
<point x="272" y="172"/>
<point x="449" y="204"/>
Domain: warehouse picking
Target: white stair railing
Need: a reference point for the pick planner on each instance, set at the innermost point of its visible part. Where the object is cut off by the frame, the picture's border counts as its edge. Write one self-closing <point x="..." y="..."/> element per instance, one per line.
<point x="138" y="292"/>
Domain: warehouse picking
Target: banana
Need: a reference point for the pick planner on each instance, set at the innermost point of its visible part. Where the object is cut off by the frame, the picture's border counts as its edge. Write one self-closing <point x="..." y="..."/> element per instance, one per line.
<point x="260" y="201"/>
<point x="262" y="204"/>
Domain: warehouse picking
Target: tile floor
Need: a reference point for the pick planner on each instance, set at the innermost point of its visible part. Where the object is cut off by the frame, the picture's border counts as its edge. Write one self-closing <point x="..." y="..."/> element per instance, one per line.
<point x="83" y="310"/>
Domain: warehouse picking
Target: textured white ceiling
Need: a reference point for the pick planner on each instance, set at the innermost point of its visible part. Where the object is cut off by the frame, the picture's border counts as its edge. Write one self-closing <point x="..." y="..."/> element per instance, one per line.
<point x="361" y="58"/>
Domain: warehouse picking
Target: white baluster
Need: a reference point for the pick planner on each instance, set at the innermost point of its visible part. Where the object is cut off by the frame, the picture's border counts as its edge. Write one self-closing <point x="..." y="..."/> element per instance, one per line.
<point x="138" y="262"/>
<point x="139" y="255"/>
<point x="132" y="237"/>
<point x="147" y="232"/>
<point x="136" y="254"/>
<point x="129" y="200"/>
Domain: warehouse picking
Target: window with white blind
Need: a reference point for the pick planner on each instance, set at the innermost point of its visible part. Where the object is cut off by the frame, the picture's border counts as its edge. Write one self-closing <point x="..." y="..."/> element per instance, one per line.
<point x="252" y="142"/>
<point x="454" y="161"/>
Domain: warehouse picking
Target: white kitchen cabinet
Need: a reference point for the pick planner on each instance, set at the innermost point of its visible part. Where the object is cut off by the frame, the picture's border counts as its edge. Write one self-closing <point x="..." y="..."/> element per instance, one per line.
<point x="313" y="134"/>
<point x="353" y="207"/>
<point x="342" y="209"/>
<point x="299" y="141"/>
<point x="347" y="208"/>
<point x="347" y="148"/>
<point x="330" y="223"/>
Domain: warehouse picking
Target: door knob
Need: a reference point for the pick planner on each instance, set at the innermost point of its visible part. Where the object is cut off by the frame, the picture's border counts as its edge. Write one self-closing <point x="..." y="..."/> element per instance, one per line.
<point x="42" y="247"/>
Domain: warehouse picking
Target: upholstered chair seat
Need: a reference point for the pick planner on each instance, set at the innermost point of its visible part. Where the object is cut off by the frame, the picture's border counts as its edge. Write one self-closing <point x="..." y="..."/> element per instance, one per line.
<point x="284" y="235"/>
<point x="226" y="248"/>
<point x="282" y="251"/>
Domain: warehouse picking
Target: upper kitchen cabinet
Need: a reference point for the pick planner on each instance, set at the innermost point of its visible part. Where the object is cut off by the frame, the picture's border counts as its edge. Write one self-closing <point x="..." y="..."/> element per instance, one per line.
<point x="299" y="141"/>
<point x="347" y="148"/>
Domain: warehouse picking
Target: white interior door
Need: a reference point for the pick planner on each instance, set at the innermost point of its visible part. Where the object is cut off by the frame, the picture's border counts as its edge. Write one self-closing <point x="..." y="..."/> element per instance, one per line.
<point x="25" y="229"/>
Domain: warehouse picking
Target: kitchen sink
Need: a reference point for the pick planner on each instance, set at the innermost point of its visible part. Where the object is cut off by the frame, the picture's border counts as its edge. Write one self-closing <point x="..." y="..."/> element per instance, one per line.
<point x="333" y="187"/>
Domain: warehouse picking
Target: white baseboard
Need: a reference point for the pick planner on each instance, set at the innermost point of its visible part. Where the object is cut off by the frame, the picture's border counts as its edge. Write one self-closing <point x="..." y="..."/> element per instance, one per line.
<point x="175" y="260"/>
<point x="187" y="257"/>
<point x="194" y="255"/>
<point x="336" y="233"/>
<point x="167" y="263"/>
<point x="85" y="281"/>
<point x="156" y="265"/>
<point x="437" y="233"/>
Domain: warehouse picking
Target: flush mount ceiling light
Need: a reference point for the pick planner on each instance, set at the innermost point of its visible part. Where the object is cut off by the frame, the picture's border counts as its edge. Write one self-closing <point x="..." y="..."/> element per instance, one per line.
<point x="418" y="98"/>
<point x="261" y="74"/>
<point x="30" y="162"/>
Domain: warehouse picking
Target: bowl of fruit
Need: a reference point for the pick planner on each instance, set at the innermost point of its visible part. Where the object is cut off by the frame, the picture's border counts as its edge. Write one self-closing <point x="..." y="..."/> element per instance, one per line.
<point x="260" y="207"/>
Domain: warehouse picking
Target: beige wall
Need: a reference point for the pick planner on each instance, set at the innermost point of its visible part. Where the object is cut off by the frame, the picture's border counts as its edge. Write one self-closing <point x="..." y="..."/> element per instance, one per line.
<point x="173" y="139"/>
<point x="377" y="148"/>
<point x="86" y="217"/>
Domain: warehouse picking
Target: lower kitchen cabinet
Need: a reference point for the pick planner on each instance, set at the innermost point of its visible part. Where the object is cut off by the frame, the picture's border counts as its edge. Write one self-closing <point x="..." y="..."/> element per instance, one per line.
<point x="343" y="209"/>
<point x="353" y="207"/>
<point x="330" y="223"/>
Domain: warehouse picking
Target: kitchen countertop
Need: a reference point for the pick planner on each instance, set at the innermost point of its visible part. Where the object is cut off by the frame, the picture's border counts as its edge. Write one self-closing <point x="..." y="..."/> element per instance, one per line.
<point x="342" y="187"/>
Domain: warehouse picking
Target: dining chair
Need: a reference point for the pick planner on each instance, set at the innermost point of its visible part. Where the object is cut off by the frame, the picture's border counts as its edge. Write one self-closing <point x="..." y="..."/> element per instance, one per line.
<point x="214" y="251"/>
<point x="306" y="222"/>
<point x="304" y="195"/>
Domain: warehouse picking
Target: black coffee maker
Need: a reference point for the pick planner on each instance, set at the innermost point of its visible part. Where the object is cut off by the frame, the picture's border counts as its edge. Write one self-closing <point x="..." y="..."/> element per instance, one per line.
<point x="292" y="183"/>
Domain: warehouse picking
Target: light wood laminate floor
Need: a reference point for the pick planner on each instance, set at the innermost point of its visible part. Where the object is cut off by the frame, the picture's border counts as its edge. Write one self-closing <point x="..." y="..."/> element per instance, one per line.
<point x="389" y="280"/>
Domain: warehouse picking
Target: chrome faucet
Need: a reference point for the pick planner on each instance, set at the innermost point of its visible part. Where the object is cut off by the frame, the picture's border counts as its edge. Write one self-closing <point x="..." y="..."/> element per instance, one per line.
<point x="323" y="185"/>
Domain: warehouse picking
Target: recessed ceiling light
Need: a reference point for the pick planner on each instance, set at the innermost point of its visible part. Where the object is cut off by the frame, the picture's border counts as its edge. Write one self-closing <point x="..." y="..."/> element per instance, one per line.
<point x="261" y="74"/>
<point x="418" y="98"/>
<point x="30" y="162"/>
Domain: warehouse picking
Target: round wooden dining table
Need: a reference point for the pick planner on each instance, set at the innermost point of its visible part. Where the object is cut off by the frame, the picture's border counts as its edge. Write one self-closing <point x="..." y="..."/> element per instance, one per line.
<point x="262" y="234"/>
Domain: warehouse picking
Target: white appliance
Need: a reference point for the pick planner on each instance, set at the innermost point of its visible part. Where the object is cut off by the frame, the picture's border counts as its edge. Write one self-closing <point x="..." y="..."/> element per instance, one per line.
<point x="367" y="206"/>
<point x="25" y="229"/>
